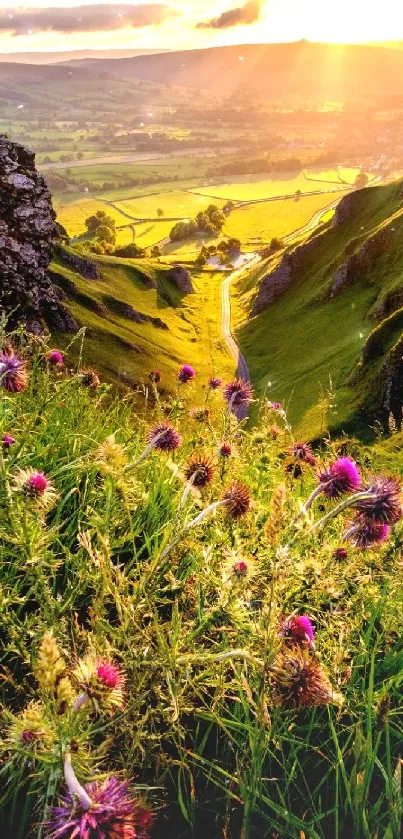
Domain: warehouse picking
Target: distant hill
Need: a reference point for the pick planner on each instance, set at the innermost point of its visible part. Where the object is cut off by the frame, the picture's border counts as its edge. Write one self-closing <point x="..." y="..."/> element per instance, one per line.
<point x="71" y="55"/>
<point x="324" y="71"/>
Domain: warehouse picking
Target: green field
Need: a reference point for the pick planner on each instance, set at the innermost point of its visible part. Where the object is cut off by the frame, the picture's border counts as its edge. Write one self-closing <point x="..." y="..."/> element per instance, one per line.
<point x="257" y="224"/>
<point x="126" y="350"/>
<point x="254" y="187"/>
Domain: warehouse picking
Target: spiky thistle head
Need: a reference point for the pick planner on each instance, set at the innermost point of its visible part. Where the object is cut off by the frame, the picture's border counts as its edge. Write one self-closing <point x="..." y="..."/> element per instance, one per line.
<point x="30" y="729"/>
<point x="366" y="533"/>
<point x="199" y="414"/>
<point x="13" y="372"/>
<point x="89" y="378"/>
<point x="50" y="664"/>
<point x="302" y="452"/>
<point x="340" y="554"/>
<point x="101" y="681"/>
<point x="298" y="629"/>
<point x="110" y="456"/>
<point x="385" y="505"/>
<point x="238" y="392"/>
<point x="55" y="357"/>
<point x="298" y="681"/>
<point x="113" y="814"/>
<point x="186" y="374"/>
<point x="35" y="486"/>
<point x="225" y="450"/>
<point x="155" y="376"/>
<point x="275" y="406"/>
<point x="214" y="383"/>
<point x="200" y="470"/>
<point x="340" y="477"/>
<point x="7" y="441"/>
<point x="237" y="500"/>
<point x="164" y="437"/>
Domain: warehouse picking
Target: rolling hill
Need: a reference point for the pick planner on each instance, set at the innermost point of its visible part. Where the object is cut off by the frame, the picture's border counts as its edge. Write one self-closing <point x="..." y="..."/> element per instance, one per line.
<point x="321" y="324"/>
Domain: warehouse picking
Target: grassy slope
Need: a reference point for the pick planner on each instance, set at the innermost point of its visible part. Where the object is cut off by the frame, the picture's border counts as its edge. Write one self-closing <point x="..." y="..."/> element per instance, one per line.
<point x="304" y="338"/>
<point x="117" y="346"/>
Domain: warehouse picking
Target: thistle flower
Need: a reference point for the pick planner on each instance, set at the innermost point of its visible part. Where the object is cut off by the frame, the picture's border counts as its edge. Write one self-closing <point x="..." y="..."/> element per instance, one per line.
<point x="237" y="500"/>
<point x="55" y="358"/>
<point x="240" y="568"/>
<point x="100" y="810"/>
<point x="302" y="452"/>
<point x="35" y="486"/>
<point x="298" y="630"/>
<point x="13" y="372"/>
<point x="50" y="663"/>
<point x="7" y="441"/>
<point x="90" y="379"/>
<point x="99" y="681"/>
<point x="274" y="431"/>
<point x="365" y="533"/>
<point x="155" y="376"/>
<point x="341" y="476"/>
<point x="225" y="450"/>
<point x="110" y="457"/>
<point x="238" y="392"/>
<point x="200" y="470"/>
<point x="214" y="383"/>
<point x="186" y="373"/>
<point x="164" y="437"/>
<point x="340" y="553"/>
<point x="385" y="506"/>
<point x="298" y="681"/>
<point x="199" y="414"/>
<point x="30" y="729"/>
<point x="275" y="406"/>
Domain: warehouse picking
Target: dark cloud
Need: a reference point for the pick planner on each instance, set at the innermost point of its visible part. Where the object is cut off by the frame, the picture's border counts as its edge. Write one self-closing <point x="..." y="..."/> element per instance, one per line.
<point x="82" y="18"/>
<point x="249" y="13"/>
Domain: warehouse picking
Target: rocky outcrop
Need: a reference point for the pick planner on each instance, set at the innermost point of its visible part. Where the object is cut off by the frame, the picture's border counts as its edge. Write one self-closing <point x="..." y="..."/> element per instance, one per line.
<point x="124" y="310"/>
<point x="80" y="264"/>
<point x="277" y="281"/>
<point x="179" y="276"/>
<point x="27" y="235"/>
<point x="359" y="263"/>
<point x="345" y="209"/>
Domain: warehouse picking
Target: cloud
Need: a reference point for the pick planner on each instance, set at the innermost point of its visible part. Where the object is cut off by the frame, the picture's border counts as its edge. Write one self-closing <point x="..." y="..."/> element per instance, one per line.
<point x="103" y="17"/>
<point x="249" y="13"/>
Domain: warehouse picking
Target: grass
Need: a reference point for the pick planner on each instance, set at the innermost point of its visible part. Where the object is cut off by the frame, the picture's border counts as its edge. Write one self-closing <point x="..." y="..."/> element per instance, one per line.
<point x="116" y="565"/>
<point x="175" y="204"/>
<point x="126" y="351"/>
<point x="332" y="329"/>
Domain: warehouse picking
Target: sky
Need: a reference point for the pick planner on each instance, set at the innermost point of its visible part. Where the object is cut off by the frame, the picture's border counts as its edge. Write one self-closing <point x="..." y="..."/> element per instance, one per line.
<point x="189" y="24"/>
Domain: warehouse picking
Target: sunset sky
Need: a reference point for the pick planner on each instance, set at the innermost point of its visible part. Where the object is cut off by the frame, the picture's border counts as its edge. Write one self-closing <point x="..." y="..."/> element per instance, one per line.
<point x="187" y="24"/>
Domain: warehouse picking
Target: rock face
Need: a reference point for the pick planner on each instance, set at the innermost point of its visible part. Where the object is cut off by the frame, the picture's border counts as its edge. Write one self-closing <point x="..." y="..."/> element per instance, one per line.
<point x="181" y="278"/>
<point x="360" y="262"/>
<point x="124" y="310"/>
<point x="277" y="281"/>
<point x="80" y="264"/>
<point x="27" y="235"/>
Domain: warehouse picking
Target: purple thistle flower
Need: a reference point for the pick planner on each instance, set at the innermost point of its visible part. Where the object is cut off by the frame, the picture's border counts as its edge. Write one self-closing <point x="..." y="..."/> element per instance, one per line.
<point x="186" y="373"/>
<point x="240" y="568"/>
<point x="7" y="441"/>
<point x="340" y="553"/>
<point x="214" y="383"/>
<point x="164" y="437"/>
<point x="275" y="406"/>
<point x="225" y="450"/>
<point x="298" y="629"/>
<point x="385" y="507"/>
<point x="112" y="814"/>
<point x="37" y="483"/>
<point x="341" y="476"/>
<point x="55" y="357"/>
<point x="365" y="533"/>
<point x="238" y="392"/>
<point x="13" y="373"/>
<point x="302" y="452"/>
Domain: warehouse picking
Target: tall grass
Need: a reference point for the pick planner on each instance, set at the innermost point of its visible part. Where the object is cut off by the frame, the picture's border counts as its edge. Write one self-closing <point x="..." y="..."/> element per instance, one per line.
<point x="112" y="568"/>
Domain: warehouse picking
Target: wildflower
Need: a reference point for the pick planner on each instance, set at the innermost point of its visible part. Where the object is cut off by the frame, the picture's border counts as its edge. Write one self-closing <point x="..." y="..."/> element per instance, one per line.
<point x="298" y="681"/>
<point x="275" y="406"/>
<point x="164" y="437"/>
<point x="7" y="441"/>
<point x="199" y="414"/>
<point x="89" y="379"/>
<point x="342" y="476"/>
<point x="110" y="456"/>
<point x="302" y="452"/>
<point x="100" y="681"/>
<point x="13" y="372"/>
<point x="237" y="500"/>
<point x="50" y="663"/>
<point x="215" y="383"/>
<point x="200" y="470"/>
<point x="100" y="809"/>
<point x="240" y="568"/>
<point x="298" y="629"/>
<point x="225" y="450"/>
<point x="365" y="533"/>
<point x="340" y="553"/>
<point x="274" y="431"/>
<point x="35" y="486"/>
<point x="155" y="376"/>
<point x="385" y="505"/>
<point x="55" y="358"/>
<point x="30" y="729"/>
<point x="238" y="392"/>
<point x="186" y="373"/>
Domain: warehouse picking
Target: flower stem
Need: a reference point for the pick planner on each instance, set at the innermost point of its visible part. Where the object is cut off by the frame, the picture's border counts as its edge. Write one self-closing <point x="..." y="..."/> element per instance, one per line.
<point x="193" y="523"/>
<point x="348" y="502"/>
<point x="74" y="786"/>
<point x="80" y="701"/>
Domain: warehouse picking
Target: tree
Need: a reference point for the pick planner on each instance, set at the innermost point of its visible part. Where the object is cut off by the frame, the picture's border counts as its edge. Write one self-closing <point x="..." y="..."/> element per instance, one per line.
<point x="160" y="212"/>
<point x="361" y="180"/>
<point x="155" y="251"/>
<point x="100" y="219"/>
<point x="80" y="155"/>
<point x="106" y="234"/>
<point x="200" y="260"/>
